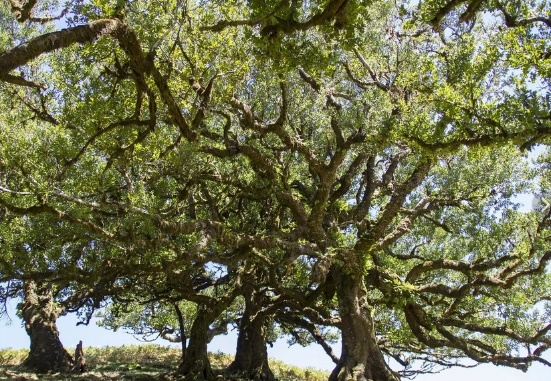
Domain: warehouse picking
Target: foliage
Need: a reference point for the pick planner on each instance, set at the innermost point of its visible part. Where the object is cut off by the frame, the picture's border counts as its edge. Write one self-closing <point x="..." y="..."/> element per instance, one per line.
<point x="148" y="322"/>
<point x="301" y="166"/>
<point x="12" y="356"/>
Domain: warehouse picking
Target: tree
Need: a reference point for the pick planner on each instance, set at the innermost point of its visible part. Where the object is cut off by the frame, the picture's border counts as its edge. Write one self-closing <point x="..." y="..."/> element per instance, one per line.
<point x="251" y="354"/>
<point x="150" y="320"/>
<point x="50" y="269"/>
<point x="176" y="305"/>
<point x="374" y="145"/>
<point x="40" y="314"/>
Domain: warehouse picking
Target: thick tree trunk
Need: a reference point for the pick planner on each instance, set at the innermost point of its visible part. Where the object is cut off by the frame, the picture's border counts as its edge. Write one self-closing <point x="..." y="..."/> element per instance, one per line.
<point x="40" y="314"/>
<point x="251" y="358"/>
<point x="361" y="358"/>
<point x="196" y="364"/>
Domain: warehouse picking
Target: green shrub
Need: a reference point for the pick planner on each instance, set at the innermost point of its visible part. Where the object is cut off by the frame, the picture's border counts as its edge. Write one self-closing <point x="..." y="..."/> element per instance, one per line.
<point x="10" y="356"/>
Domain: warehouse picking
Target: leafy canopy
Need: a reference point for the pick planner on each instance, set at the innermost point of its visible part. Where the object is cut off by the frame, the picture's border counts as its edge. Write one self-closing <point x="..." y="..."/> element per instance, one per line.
<point x="289" y="145"/>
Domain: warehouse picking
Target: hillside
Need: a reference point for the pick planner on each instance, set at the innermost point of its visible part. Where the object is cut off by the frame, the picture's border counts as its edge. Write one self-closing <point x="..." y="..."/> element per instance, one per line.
<point x="140" y="363"/>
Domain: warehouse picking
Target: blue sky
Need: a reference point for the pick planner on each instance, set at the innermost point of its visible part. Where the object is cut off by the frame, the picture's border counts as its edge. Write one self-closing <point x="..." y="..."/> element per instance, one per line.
<point x="14" y="336"/>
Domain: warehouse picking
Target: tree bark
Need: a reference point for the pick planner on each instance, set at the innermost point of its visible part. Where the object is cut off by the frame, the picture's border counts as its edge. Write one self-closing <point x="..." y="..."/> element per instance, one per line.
<point x="361" y="358"/>
<point x="182" y="327"/>
<point x="196" y="364"/>
<point x="251" y="357"/>
<point x="40" y="314"/>
<point x="79" y="365"/>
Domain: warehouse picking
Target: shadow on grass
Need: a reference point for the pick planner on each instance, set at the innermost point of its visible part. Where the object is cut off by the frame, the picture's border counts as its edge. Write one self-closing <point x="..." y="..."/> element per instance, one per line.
<point x="140" y="363"/>
<point x="111" y="371"/>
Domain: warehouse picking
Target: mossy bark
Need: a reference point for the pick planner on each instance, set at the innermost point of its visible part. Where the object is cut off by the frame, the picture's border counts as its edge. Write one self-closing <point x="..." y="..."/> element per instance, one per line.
<point x="40" y="313"/>
<point x="361" y="359"/>
<point x="251" y="358"/>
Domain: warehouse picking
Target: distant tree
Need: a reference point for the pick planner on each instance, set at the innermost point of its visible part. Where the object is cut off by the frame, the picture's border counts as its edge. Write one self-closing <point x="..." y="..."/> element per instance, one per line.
<point x="150" y="320"/>
<point x="166" y="306"/>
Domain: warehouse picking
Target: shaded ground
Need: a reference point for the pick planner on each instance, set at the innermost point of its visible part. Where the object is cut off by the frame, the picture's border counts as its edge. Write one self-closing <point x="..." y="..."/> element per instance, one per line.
<point x="139" y="363"/>
<point x="13" y="374"/>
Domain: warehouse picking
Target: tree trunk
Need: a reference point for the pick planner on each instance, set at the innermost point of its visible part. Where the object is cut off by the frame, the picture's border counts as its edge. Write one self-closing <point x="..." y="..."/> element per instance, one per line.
<point x="196" y="364"/>
<point x="361" y="358"/>
<point x="251" y="358"/>
<point x="40" y="314"/>
<point x="182" y="327"/>
<point x="79" y="365"/>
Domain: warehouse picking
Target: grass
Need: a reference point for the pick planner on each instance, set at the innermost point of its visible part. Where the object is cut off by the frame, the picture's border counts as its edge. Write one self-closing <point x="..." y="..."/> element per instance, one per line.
<point x="140" y="363"/>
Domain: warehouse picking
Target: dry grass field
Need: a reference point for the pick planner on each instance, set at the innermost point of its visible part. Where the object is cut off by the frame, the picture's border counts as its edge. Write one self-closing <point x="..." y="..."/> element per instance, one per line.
<point x="139" y="363"/>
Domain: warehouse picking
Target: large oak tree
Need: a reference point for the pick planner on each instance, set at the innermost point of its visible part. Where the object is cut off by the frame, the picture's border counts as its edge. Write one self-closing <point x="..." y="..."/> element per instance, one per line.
<point x="361" y="155"/>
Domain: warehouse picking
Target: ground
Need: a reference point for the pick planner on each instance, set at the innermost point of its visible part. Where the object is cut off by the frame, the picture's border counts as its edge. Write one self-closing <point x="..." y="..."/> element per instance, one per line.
<point x="139" y="363"/>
